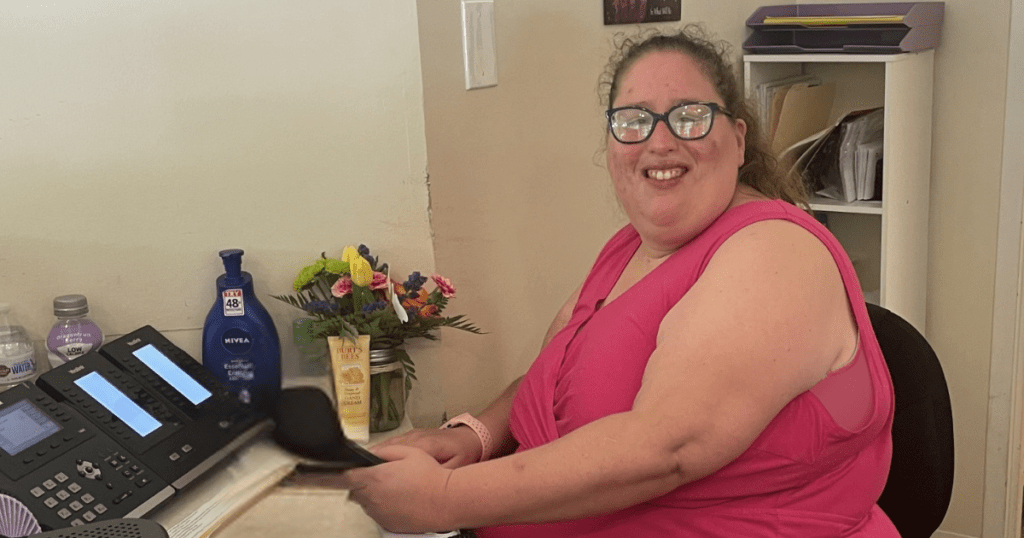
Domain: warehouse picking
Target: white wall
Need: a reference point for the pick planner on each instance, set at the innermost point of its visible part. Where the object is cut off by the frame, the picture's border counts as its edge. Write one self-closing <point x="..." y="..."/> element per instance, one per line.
<point x="520" y="209"/>
<point x="137" y="139"/>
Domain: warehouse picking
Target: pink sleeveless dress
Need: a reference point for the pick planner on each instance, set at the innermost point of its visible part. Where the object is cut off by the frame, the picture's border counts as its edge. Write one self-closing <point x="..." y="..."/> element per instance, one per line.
<point x="804" y="476"/>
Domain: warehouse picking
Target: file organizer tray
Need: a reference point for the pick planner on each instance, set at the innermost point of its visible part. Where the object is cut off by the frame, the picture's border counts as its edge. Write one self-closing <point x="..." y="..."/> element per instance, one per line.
<point x="876" y="28"/>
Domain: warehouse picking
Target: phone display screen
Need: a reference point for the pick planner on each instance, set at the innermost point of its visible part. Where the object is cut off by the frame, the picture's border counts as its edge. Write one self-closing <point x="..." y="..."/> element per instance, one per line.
<point x="172" y="374"/>
<point x="117" y="403"/>
<point x="23" y="425"/>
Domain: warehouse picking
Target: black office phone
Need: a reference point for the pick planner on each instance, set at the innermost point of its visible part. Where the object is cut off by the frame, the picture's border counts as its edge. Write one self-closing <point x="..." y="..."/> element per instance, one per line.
<point x="64" y="469"/>
<point x="157" y="402"/>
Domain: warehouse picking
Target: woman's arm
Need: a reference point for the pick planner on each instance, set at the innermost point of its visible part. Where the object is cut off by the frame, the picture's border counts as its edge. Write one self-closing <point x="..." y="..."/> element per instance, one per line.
<point x="460" y="446"/>
<point x="766" y="321"/>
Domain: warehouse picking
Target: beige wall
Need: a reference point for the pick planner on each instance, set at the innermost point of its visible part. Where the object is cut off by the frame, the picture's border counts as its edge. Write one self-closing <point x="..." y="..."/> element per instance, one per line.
<point x="137" y="139"/>
<point x="520" y="209"/>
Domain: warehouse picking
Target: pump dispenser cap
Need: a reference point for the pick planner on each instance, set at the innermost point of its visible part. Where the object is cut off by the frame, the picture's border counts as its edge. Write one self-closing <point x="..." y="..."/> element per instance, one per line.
<point x="232" y="266"/>
<point x="70" y="305"/>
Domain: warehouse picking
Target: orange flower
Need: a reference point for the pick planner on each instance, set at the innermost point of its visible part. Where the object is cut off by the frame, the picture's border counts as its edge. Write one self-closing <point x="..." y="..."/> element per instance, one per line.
<point x="415" y="299"/>
<point x="430" y="311"/>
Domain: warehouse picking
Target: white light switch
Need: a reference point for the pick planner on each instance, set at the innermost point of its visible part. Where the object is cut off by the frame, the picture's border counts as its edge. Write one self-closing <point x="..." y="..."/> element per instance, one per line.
<point x="478" y="52"/>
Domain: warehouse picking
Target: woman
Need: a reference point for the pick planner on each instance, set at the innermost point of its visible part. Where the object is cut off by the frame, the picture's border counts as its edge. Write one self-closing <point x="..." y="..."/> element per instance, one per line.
<point x="715" y="375"/>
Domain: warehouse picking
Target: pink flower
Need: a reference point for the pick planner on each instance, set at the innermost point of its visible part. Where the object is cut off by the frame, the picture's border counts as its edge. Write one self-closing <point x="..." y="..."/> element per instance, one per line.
<point x="445" y="285"/>
<point x="342" y="287"/>
<point x="380" y="281"/>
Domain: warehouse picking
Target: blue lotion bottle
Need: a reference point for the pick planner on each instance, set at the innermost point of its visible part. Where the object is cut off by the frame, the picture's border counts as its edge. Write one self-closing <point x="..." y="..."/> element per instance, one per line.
<point x="240" y="343"/>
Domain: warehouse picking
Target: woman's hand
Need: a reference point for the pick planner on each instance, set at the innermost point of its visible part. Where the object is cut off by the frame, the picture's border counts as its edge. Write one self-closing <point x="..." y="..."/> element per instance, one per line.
<point x="451" y="447"/>
<point x="404" y="495"/>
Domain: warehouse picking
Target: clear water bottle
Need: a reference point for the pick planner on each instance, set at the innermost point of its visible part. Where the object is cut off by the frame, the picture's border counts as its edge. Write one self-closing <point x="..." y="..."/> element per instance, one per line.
<point x="74" y="334"/>
<point x="17" y="356"/>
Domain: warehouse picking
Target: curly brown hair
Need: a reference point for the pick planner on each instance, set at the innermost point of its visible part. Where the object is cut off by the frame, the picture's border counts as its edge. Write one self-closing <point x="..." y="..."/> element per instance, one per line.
<point x="760" y="168"/>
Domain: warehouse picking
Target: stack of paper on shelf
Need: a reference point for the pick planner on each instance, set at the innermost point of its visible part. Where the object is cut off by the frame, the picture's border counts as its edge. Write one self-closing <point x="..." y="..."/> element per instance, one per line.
<point x="843" y="162"/>
<point x="793" y="110"/>
<point x="799" y="111"/>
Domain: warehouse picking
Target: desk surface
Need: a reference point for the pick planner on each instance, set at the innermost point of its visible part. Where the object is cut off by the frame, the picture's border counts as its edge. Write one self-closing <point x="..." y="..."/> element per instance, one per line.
<point x="243" y="497"/>
<point x="309" y="513"/>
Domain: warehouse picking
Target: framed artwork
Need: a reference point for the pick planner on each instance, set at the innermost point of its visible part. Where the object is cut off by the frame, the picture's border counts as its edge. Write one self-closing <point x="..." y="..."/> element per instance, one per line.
<point x="637" y="11"/>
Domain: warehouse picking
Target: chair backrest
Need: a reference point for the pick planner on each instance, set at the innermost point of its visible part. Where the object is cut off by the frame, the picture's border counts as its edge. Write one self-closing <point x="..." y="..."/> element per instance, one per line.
<point x="920" y="483"/>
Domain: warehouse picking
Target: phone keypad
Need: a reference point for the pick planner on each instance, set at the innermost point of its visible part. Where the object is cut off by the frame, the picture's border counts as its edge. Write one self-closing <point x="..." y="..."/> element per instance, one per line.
<point x="67" y="502"/>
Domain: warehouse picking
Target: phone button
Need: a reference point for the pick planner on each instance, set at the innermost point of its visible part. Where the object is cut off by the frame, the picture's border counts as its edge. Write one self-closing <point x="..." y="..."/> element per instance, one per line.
<point x="50" y="502"/>
<point x="49" y="484"/>
<point x="99" y="508"/>
<point x="64" y="513"/>
<point x="37" y="491"/>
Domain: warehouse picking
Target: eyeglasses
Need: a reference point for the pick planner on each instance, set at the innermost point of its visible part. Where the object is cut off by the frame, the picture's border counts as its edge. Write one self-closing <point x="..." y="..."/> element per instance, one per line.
<point x="687" y="121"/>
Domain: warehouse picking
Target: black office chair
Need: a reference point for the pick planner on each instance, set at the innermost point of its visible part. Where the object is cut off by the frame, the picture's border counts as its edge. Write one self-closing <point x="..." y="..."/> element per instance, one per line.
<point x="920" y="483"/>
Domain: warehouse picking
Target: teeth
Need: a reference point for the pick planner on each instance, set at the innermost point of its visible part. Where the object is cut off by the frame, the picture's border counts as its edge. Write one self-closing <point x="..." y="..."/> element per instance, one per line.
<point x="663" y="175"/>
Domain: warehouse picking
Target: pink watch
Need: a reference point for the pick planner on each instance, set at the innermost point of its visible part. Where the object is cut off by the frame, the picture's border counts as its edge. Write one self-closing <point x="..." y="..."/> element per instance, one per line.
<point x="478" y="427"/>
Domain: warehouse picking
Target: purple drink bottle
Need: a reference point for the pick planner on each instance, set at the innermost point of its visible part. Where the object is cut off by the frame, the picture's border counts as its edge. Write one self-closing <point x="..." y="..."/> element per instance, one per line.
<point x="74" y="334"/>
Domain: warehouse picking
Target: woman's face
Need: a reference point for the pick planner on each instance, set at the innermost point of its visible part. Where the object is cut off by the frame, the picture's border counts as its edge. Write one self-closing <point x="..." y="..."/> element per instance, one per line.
<point x="672" y="189"/>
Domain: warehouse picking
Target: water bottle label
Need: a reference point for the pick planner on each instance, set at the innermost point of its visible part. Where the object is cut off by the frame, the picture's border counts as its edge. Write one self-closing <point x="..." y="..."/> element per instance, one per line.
<point x="234" y="303"/>
<point x="18" y="368"/>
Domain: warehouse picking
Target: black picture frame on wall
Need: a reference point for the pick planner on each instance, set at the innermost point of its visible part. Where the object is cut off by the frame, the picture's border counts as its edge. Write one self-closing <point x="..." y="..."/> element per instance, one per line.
<point x="640" y="11"/>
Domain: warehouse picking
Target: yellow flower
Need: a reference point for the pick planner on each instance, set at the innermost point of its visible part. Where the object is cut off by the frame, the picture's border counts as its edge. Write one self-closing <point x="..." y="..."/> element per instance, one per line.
<point x="350" y="253"/>
<point x="362" y="273"/>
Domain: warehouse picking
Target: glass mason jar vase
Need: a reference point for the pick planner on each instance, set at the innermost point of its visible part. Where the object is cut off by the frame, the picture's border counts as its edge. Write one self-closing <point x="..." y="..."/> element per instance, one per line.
<point x="387" y="390"/>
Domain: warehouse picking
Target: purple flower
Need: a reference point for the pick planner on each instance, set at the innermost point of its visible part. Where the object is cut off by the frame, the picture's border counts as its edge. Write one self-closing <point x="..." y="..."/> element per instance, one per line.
<point x="324" y="308"/>
<point x="379" y="305"/>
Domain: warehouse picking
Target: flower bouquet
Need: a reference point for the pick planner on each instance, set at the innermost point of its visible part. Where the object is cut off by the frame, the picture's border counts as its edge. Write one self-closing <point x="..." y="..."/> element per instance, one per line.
<point x="355" y="295"/>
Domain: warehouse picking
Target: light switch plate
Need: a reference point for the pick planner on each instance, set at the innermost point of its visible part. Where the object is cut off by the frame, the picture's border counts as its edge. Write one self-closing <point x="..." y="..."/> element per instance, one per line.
<point x="480" y="58"/>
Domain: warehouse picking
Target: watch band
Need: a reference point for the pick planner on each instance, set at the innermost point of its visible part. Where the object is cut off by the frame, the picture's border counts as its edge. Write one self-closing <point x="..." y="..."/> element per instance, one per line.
<point x="486" y="442"/>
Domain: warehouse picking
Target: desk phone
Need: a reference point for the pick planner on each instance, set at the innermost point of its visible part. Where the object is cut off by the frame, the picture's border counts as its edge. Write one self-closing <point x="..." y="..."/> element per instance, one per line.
<point x="157" y="402"/>
<point x="64" y="469"/>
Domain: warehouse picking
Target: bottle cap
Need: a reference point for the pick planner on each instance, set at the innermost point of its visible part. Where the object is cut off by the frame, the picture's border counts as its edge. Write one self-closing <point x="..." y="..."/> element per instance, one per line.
<point x="70" y="305"/>
<point x="232" y="266"/>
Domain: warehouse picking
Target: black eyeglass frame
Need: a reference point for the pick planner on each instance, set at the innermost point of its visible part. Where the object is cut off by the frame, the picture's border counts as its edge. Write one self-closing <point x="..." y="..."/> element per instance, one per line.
<point x="715" y="110"/>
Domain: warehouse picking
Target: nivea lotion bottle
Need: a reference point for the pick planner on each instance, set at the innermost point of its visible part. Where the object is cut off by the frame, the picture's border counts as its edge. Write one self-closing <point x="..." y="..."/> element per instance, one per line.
<point x="240" y="343"/>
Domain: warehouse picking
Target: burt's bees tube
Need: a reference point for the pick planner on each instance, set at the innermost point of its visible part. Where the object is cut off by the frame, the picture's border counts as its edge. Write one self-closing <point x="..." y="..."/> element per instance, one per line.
<point x="350" y="364"/>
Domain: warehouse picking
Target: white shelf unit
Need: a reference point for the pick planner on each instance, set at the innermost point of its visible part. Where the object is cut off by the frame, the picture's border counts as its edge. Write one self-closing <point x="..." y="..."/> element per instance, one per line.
<point x="887" y="240"/>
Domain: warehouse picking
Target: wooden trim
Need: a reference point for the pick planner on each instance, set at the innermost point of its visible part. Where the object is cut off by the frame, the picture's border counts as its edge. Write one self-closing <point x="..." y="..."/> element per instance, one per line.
<point x="1003" y="483"/>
